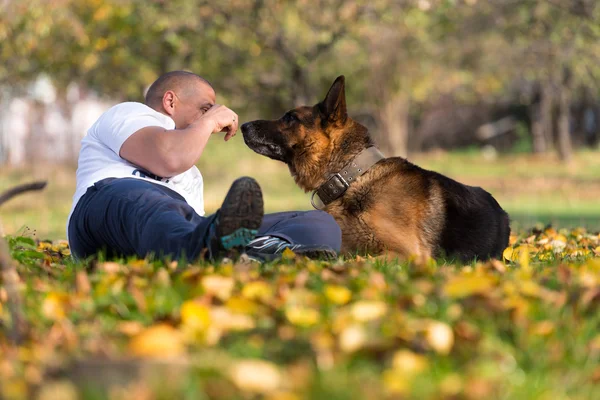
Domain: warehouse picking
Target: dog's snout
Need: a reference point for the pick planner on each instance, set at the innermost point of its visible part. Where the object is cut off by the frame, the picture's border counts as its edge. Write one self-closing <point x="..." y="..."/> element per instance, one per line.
<point x="246" y="127"/>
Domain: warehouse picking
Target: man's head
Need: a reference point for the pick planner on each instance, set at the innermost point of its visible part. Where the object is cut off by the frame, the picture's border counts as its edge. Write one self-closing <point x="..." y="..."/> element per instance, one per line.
<point x="183" y="96"/>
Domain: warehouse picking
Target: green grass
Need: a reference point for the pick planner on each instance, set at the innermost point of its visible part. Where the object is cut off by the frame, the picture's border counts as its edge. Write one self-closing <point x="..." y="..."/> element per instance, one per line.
<point x="300" y="329"/>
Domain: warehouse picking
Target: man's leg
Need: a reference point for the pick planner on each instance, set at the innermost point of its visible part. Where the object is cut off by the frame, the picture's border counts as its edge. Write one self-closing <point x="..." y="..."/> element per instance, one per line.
<point x="134" y="217"/>
<point x="311" y="233"/>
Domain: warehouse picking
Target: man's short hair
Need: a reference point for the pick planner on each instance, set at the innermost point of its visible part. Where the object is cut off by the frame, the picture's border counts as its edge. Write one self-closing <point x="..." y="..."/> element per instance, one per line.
<point x="174" y="80"/>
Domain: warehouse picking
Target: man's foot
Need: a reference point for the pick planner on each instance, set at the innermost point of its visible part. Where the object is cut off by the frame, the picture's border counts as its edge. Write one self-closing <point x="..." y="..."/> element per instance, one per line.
<point x="269" y="248"/>
<point x="238" y="219"/>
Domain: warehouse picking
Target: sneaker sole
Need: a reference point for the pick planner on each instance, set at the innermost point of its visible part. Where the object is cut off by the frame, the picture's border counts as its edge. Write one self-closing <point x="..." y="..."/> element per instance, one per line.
<point x="240" y="215"/>
<point x="315" y="253"/>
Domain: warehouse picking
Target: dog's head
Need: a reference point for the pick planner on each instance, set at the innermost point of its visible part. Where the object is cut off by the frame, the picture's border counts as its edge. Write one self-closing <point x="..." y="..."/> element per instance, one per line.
<point x="313" y="141"/>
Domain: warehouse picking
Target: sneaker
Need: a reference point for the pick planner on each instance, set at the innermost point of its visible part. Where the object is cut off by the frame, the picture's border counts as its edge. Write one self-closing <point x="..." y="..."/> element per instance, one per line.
<point x="270" y="248"/>
<point x="237" y="221"/>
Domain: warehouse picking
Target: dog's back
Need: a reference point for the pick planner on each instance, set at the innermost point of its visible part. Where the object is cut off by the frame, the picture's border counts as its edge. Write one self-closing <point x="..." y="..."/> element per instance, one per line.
<point x="475" y="226"/>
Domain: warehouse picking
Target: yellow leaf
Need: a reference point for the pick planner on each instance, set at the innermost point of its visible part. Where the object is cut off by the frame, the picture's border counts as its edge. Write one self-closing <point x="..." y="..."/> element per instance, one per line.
<point x="594" y="344"/>
<point x="467" y="285"/>
<point x="219" y="286"/>
<point x="288" y="254"/>
<point x="368" y="310"/>
<point x="337" y="294"/>
<point x="241" y="305"/>
<point x="451" y="385"/>
<point x="54" y="306"/>
<point x="352" y="338"/>
<point x="543" y="328"/>
<point x="157" y="341"/>
<point x="223" y="319"/>
<point x="394" y="382"/>
<point x="130" y="328"/>
<point x="44" y="246"/>
<point x="440" y="337"/>
<point x="195" y="315"/>
<point x="530" y="288"/>
<point x="408" y="362"/>
<point x="255" y="376"/>
<point x="110" y="267"/>
<point x="524" y="260"/>
<point x="258" y="290"/>
<point x="302" y="316"/>
<point x="513" y="254"/>
<point x="279" y="395"/>
<point x="61" y="389"/>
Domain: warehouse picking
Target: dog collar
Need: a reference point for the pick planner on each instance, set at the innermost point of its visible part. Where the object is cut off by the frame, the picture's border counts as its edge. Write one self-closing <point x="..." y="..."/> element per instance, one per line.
<point x="339" y="182"/>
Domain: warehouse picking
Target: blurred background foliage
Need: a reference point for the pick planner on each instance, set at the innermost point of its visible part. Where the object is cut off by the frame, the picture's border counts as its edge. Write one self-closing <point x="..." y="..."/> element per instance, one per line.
<point x="504" y="76"/>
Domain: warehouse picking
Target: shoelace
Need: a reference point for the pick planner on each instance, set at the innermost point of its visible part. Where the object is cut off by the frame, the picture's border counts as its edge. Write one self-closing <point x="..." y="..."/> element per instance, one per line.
<point x="267" y="243"/>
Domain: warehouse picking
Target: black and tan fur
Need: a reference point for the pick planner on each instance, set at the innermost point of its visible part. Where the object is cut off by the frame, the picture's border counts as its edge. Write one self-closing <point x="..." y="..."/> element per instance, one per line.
<point x="395" y="206"/>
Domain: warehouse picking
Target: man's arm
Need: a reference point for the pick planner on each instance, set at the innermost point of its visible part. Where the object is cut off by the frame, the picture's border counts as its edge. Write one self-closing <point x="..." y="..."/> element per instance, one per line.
<point x="168" y="153"/>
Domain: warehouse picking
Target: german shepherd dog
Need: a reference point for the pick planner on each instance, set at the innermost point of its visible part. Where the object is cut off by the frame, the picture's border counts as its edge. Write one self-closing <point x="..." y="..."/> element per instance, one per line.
<point x="393" y="206"/>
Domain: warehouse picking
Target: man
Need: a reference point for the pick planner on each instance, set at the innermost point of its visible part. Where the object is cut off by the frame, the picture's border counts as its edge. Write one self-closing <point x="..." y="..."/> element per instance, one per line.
<point x="139" y="191"/>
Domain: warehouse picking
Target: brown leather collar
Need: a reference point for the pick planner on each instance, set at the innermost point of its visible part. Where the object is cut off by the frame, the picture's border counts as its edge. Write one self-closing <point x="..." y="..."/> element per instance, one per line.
<point x="338" y="183"/>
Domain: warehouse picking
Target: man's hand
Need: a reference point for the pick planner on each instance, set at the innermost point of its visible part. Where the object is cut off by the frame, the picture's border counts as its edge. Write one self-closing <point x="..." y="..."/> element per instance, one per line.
<point x="221" y="118"/>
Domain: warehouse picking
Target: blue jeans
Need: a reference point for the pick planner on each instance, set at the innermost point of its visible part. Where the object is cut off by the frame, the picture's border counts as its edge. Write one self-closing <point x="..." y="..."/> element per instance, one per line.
<point x="134" y="217"/>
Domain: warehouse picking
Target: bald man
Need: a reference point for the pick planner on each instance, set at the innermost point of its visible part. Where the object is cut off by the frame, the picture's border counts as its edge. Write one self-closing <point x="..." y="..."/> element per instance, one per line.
<point x="139" y="192"/>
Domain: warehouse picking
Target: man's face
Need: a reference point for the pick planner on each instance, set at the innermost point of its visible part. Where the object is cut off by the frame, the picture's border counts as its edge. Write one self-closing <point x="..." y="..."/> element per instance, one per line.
<point x="191" y="103"/>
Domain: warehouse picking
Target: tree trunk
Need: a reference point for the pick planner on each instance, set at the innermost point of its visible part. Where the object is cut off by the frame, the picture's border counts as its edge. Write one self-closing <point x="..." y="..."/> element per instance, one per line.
<point x="537" y="129"/>
<point x="393" y="125"/>
<point x="565" y="147"/>
<point x="541" y="120"/>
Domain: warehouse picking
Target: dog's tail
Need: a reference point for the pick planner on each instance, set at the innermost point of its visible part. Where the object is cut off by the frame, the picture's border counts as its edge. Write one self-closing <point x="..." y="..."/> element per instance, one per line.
<point x="10" y="193"/>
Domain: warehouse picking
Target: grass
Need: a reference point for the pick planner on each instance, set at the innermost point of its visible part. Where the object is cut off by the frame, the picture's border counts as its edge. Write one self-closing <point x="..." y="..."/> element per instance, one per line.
<point x="522" y="328"/>
<point x="532" y="189"/>
<point x="525" y="328"/>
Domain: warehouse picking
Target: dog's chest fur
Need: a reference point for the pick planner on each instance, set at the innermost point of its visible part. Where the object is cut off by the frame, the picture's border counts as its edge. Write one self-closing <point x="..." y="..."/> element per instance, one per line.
<point x="388" y="207"/>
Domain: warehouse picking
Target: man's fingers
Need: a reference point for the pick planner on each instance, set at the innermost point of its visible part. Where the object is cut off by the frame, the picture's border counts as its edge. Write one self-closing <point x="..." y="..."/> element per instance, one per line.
<point x="231" y="131"/>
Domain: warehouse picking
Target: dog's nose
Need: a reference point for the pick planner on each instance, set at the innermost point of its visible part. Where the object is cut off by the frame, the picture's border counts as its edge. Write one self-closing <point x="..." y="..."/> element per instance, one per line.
<point x="245" y="127"/>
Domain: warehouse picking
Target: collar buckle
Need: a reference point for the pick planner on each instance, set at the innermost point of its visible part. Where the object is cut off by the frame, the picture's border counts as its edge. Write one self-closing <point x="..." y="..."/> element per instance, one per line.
<point x="336" y="185"/>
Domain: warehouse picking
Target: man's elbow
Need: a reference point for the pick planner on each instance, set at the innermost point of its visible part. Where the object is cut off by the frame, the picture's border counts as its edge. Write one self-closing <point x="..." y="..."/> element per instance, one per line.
<point x="173" y="165"/>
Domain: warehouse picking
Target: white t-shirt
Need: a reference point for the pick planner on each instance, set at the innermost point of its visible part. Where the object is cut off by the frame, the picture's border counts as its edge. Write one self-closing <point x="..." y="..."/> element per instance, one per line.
<point x="99" y="155"/>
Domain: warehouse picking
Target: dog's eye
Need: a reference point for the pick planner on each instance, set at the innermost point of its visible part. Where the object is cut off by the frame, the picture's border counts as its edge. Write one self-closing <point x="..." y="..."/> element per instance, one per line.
<point x="289" y="118"/>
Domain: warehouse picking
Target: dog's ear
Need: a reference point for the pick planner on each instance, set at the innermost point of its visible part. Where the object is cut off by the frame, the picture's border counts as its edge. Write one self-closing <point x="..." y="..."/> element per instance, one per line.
<point x="334" y="105"/>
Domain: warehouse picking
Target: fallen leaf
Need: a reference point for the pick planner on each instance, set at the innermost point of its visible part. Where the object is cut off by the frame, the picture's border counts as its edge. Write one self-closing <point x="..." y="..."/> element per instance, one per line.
<point x="337" y="294"/>
<point x="82" y="283"/>
<point x="440" y="337"/>
<point x="302" y="316"/>
<point x="54" y="306"/>
<point x="219" y="286"/>
<point x="352" y="338"/>
<point x="258" y="290"/>
<point x="366" y="310"/>
<point x="195" y="315"/>
<point x="157" y="341"/>
<point x="256" y="376"/>
<point x="408" y="362"/>
<point x="468" y="285"/>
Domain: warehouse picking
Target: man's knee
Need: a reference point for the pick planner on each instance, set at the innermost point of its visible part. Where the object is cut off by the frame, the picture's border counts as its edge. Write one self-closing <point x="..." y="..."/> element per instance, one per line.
<point x="326" y="228"/>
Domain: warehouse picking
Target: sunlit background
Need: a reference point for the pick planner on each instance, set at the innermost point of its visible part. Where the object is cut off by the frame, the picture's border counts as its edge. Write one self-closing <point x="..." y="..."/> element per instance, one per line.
<point x="501" y="94"/>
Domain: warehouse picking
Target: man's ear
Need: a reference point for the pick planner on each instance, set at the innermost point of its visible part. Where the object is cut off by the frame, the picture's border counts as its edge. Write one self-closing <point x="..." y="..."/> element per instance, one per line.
<point x="168" y="102"/>
<point x="334" y="105"/>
